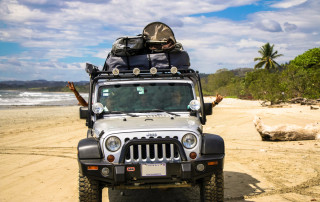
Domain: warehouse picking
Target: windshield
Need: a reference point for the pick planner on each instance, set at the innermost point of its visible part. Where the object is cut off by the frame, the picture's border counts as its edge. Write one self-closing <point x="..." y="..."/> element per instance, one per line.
<point x="145" y="97"/>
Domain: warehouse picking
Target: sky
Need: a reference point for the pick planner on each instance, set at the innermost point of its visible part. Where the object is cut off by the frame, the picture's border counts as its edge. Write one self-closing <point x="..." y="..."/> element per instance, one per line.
<point x="53" y="40"/>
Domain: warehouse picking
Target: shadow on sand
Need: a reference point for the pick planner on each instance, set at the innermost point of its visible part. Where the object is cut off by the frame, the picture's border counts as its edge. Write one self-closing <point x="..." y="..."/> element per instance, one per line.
<point x="237" y="185"/>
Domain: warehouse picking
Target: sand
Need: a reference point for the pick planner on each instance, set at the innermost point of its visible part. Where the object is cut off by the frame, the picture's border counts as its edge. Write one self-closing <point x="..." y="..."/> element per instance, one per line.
<point x="38" y="156"/>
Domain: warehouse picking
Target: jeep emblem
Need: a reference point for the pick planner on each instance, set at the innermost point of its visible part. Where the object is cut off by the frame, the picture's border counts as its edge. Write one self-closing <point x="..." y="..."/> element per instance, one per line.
<point x="152" y="135"/>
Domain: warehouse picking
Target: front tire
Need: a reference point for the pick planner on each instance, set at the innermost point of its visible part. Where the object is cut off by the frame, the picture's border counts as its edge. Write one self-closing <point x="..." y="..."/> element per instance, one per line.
<point x="89" y="190"/>
<point x="212" y="188"/>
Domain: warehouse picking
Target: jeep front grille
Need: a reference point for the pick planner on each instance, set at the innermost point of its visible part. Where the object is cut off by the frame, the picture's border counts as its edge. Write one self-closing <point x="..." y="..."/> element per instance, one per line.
<point x="152" y="150"/>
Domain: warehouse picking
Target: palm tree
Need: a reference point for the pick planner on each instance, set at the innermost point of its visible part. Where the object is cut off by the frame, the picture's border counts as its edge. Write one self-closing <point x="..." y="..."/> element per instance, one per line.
<point x="267" y="57"/>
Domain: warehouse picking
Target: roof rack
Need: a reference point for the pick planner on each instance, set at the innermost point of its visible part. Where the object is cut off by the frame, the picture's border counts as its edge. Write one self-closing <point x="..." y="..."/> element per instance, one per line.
<point x="96" y="74"/>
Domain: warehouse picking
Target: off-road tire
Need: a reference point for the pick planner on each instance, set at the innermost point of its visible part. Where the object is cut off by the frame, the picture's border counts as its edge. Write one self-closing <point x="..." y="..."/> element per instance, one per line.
<point x="212" y="188"/>
<point x="89" y="190"/>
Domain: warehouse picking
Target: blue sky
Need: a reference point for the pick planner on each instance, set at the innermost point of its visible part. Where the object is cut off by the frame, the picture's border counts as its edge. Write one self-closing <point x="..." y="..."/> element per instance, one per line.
<point x="52" y="40"/>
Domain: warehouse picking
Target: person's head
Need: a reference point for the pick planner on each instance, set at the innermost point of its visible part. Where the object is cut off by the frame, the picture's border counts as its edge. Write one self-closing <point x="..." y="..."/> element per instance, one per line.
<point x="176" y="97"/>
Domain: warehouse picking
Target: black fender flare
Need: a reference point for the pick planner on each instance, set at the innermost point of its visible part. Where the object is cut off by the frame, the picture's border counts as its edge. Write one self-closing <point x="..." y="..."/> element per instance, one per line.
<point x="89" y="148"/>
<point x="212" y="144"/>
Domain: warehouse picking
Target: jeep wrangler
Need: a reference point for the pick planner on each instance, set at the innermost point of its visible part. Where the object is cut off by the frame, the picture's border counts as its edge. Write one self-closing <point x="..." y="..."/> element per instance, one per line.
<point x="145" y="130"/>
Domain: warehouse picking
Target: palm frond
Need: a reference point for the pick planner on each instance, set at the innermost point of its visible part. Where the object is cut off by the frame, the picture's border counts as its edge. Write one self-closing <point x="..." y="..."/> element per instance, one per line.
<point x="259" y="65"/>
<point x="255" y="59"/>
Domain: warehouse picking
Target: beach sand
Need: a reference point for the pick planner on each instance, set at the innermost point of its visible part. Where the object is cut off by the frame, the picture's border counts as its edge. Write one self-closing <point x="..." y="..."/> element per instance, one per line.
<point x="38" y="156"/>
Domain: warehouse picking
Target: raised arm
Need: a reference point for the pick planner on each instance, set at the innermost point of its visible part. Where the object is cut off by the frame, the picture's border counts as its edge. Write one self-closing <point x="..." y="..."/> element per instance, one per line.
<point x="219" y="98"/>
<point x="76" y="93"/>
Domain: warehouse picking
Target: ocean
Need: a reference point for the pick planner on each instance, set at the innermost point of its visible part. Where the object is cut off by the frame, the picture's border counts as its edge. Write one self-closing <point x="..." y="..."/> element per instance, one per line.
<point x="27" y="98"/>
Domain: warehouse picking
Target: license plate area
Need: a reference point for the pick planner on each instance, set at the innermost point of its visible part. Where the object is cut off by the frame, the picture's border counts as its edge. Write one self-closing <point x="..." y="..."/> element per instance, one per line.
<point x="153" y="170"/>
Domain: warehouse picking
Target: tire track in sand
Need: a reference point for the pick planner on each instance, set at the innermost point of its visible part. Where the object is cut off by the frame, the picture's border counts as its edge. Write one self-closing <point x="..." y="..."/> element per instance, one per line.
<point x="63" y="152"/>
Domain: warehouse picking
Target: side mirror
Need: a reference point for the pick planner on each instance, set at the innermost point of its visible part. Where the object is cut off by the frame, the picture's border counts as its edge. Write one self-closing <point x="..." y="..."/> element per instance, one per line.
<point x="83" y="112"/>
<point x="208" y="108"/>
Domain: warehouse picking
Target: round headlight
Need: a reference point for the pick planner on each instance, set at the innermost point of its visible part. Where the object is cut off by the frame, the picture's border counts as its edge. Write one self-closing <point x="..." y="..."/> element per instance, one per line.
<point x="189" y="141"/>
<point x="194" y="105"/>
<point x="97" y="108"/>
<point x="113" y="143"/>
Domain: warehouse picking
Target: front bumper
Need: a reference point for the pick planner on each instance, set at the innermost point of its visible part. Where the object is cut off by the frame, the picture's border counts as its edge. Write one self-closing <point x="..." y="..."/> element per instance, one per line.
<point x="131" y="174"/>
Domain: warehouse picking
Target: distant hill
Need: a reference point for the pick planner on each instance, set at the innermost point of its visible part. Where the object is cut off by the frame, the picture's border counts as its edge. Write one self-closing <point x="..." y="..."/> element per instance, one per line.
<point x="43" y="85"/>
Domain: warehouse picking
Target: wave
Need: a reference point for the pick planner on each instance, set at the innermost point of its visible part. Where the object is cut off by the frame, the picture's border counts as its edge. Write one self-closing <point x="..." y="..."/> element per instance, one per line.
<point x="16" y="98"/>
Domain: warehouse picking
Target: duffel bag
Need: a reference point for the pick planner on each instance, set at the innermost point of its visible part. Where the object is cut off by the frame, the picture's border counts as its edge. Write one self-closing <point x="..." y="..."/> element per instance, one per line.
<point x="128" y="46"/>
<point x="126" y="62"/>
<point x="179" y="59"/>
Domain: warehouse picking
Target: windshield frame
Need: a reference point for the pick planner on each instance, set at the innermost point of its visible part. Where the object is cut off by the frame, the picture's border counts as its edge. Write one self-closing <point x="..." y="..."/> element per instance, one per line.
<point x="143" y="82"/>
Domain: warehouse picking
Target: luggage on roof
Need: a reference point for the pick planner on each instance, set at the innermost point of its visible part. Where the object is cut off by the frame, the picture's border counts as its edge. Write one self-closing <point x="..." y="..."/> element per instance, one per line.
<point x="156" y="47"/>
<point x="159" y="37"/>
<point x="127" y="46"/>
<point x="147" y="61"/>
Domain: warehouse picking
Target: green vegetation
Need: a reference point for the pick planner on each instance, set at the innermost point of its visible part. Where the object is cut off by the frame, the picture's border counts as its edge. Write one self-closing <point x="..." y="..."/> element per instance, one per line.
<point x="299" y="78"/>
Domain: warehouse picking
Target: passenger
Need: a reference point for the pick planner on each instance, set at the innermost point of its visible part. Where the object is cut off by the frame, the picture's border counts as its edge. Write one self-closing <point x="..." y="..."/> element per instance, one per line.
<point x="82" y="102"/>
<point x="218" y="99"/>
<point x="176" y="98"/>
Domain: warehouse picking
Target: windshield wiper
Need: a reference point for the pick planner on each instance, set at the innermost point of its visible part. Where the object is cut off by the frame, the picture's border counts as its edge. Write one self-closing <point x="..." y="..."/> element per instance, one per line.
<point x="120" y="112"/>
<point x="161" y="110"/>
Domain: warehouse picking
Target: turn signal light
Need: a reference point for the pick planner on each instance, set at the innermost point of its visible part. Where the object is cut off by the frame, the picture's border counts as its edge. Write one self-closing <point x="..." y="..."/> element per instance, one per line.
<point x="92" y="167"/>
<point x="110" y="158"/>
<point x="212" y="163"/>
<point x="193" y="155"/>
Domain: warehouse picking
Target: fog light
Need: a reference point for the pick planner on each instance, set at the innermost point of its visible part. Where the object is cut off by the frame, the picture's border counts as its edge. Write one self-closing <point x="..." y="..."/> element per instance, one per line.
<point x="115" y="71"/>
<point x="200" y="167"/>
<point x="136" y="71"/>
<point x="153" y="70"/>
<point x="110" y="158"/>
<point x="173" y="70"/>
<point x="193" y="155"/>
<point x="105" y="172"/>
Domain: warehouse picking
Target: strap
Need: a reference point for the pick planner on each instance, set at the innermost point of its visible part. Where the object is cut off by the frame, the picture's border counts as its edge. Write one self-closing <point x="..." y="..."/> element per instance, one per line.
<point x="169" y="60"/>
<point x="149" y="60"/>
<point x="128" y="61"/>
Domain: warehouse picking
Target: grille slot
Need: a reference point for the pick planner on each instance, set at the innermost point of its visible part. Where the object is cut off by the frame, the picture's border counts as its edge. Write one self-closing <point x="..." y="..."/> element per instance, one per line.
<point x="152" y="153"/>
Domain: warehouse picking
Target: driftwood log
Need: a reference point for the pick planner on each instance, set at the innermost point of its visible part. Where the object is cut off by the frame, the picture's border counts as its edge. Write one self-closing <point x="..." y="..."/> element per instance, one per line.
<point x="287" y="132"/>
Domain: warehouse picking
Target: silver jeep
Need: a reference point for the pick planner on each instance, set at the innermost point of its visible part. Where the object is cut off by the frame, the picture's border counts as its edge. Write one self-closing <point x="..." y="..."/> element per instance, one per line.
<point x="145" y="130"/>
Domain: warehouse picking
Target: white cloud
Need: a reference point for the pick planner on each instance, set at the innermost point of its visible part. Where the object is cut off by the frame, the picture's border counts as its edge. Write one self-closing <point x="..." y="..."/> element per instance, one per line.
<point x="288" y="27"/>
<point x="244" y="43"/>
<point x="288" y="3"/>
<point x="268" y="25"/>
<point x="102" y="53"/>
<point x="55" y="30"/>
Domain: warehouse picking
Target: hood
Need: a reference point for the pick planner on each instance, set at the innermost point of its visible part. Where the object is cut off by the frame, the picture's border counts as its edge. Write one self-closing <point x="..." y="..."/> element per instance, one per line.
<point x="121" y="124"/>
